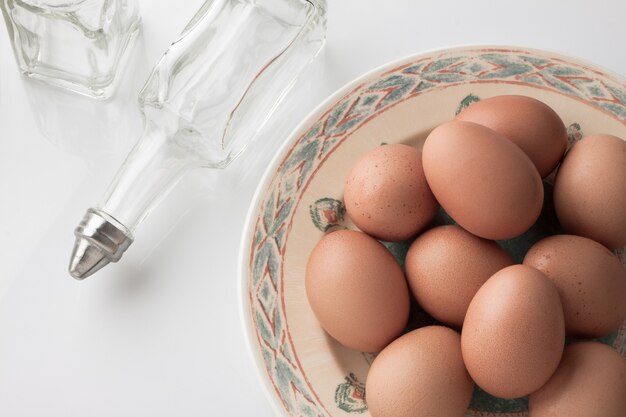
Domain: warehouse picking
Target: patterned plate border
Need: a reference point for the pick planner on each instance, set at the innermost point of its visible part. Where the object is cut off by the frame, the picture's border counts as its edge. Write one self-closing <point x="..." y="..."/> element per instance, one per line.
<point x="270" y="219"/>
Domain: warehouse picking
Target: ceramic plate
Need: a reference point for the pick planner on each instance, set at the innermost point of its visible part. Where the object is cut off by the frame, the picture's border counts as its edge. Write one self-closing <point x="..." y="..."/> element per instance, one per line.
<point x="306" y="372"/>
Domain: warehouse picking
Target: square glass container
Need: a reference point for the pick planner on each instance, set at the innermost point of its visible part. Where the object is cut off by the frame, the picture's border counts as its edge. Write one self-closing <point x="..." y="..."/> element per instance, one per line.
<point x="75" y="44"/>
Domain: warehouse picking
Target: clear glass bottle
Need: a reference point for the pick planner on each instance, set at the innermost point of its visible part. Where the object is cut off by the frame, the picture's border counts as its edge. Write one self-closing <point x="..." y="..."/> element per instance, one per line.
<point x="75" y="44"/>
<point x="203" y="103"/>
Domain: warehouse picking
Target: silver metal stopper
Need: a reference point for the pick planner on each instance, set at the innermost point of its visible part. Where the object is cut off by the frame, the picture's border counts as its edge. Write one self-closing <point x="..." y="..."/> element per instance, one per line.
<point x="100" y="239"/>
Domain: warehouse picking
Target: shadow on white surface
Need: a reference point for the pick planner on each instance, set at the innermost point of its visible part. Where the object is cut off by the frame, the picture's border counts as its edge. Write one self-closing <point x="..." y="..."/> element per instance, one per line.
<point x="94" y="130"/>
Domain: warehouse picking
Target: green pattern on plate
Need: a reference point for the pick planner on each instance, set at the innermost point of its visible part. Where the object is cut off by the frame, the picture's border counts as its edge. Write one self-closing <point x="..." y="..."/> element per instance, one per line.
<point x="485" y="402"/>
<point x="350" y="395"/>
<point x="327" y="213"/>
<point x="466" y="102"/>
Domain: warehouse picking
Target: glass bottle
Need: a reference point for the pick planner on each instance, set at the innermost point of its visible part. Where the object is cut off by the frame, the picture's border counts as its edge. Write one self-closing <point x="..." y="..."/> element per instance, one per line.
<point x="79" y="45"/>
<point x="204" y="102"/>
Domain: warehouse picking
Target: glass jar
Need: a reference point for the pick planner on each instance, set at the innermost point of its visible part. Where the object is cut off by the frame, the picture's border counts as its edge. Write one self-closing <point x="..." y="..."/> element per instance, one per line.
<point x="76" y="44"/>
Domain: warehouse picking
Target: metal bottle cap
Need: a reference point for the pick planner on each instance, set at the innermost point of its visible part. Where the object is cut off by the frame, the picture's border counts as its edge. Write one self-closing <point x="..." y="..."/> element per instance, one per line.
<point x="100" y="239"/>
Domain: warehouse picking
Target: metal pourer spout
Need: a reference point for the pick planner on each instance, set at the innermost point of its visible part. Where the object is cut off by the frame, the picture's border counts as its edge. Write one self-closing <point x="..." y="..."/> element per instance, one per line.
<point x="100" y="239"/>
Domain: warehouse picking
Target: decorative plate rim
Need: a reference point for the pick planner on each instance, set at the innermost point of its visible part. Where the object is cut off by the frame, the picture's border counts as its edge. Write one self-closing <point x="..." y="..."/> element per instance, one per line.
<point x="301" y="129"/>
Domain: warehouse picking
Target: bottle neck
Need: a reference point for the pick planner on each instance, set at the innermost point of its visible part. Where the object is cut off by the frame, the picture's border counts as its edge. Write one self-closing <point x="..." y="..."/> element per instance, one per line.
<point x="151" y="170"/>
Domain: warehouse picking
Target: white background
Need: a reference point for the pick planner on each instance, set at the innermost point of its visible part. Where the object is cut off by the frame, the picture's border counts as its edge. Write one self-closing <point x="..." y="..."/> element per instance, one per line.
<point x="159" y="334"/>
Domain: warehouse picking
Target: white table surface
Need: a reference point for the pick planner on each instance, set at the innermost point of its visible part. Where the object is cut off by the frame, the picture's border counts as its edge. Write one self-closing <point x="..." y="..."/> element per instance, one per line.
<point x="159" y="333"/>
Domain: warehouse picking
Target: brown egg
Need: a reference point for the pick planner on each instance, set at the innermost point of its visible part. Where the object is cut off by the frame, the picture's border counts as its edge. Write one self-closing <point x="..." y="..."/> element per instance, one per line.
<point x="590" y="190"/>
<point x="590" y="279"/>
<point x="513" y="334"/>
<point x="386" y="193"/>
<point x="445" y="266"/>
<point x="590" y="381"/>
<point x="527" y="122"/>
<point x="357" y="290"/>
<point x="483" y="181"/>
<point x="420" y="374"/>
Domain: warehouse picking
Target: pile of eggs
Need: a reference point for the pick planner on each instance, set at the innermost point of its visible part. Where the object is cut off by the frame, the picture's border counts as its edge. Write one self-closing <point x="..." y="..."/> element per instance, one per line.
<point x="485" y="169"/>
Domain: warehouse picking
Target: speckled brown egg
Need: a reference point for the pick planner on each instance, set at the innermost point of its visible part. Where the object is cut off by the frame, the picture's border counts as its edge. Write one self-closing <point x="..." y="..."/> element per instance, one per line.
<point x="445" y="266"/>
<point x="590" y="279"/>
<point x="514" y="333"/>
<point x="590" y="190"/>
<point x="483" y="181"/>
<point x="357" y="290"/>
<point x="386" y="194"/>
<point x="420" y="374"/>
<point x="529" y="123"/>
<point x="590" y="381"/>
